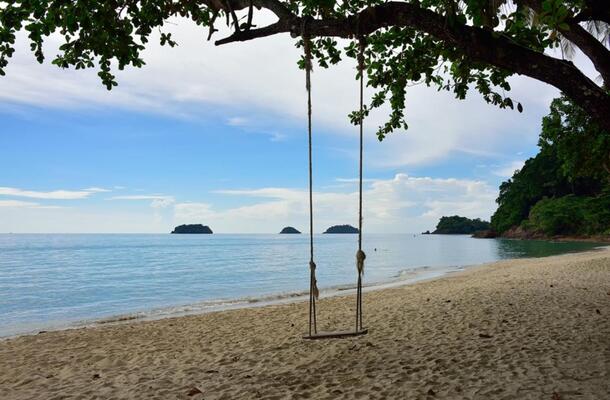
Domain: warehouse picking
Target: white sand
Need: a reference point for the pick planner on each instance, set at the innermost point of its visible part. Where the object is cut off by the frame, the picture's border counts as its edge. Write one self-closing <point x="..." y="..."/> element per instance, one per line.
<point x="520" y="329"/>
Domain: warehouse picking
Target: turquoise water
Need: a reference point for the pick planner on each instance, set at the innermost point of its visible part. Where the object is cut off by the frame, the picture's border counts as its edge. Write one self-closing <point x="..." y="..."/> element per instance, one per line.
<point x="49" y="281"/>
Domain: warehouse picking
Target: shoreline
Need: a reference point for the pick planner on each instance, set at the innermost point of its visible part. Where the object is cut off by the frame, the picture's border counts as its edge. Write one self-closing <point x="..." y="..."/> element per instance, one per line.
<point x="530" y="236"/>
<point x="404" y="277"/>
<point x="513" y="329"/>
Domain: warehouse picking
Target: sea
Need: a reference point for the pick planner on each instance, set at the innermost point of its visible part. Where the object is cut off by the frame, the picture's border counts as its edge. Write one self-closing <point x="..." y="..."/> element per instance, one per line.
<point x="56" y="281"/>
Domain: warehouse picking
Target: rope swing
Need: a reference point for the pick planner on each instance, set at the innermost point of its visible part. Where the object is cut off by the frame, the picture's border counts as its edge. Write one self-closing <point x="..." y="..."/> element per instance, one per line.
<point x="313" y="287"/>
<point x="360" y="256"/>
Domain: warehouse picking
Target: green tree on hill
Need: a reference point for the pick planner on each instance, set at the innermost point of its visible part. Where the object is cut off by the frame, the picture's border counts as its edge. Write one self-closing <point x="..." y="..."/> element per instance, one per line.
<point x="571" y="215"/>
<point x="565" y="188"/>
<point x="582" y="147"/>
<point x="460" y="225"/>
<point x="539" y="177"/>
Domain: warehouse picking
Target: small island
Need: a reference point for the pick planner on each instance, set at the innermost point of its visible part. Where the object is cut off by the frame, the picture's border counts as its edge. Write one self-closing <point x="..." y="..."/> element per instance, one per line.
<point x="342" y="229"/>
<point x="193" y="229"/>
<point x="457" y="225"/>
<point x="290" y="230"/>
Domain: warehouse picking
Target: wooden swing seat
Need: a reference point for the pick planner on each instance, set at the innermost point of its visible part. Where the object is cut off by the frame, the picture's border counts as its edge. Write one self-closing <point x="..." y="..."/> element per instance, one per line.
<point x="336" y="334"/>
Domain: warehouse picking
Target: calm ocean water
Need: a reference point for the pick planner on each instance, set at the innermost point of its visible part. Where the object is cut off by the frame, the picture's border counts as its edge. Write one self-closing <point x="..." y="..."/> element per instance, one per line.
<point x="50" y="281"/>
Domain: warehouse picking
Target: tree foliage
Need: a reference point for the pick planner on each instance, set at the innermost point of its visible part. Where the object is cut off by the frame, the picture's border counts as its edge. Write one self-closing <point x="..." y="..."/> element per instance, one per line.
<point x="460" y="225"/>
<point x="452" y="45"/>
<point x="565" y="188"/>
<point x="540" y="177"/>
<point x="571" y="215"/>
<point x="582" y="147"/>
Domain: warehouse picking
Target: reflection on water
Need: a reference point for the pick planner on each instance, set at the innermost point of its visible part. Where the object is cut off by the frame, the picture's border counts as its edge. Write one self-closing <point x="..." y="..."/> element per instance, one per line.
<point x="537" y="248"/>
<point x="56" y="279"/>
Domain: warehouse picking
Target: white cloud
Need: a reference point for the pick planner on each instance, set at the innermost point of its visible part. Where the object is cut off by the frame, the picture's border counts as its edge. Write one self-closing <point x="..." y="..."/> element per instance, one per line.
<point x="24" y="204"/>
<point x="237" y="121"/>
<point x="162" y="203"/>
<point x="141" y="197"/>
<point x="97" y="190"/>
<point x="400" y="204"/>
<point x="507" y="171"/>
<point x="157" y="201"/>
<point x="249" y="126"/>
<point x="192" y="211"/>
<point x="17" y="203"/>
<point x="274" y="193"/>
<point x="51" y="195"/>
<point x="76" y="220"/>
<point x="275" y="136"/>
<point x="179" y="81"/>
<point x="353" y="180"/>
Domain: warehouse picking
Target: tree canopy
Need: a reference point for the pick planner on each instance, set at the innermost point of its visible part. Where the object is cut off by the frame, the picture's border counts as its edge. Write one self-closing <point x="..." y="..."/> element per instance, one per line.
<point x="453" y="45"/>
<point x="583" y="148"/>
<point x="565" y="188"/>
<point x="539" y="177"/>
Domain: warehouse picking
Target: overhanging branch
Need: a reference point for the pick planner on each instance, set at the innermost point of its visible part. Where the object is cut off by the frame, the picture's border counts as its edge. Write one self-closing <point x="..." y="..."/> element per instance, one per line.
<point x="591" y="47"/>
<point x="585" y="41"/>
<point x="242" y="36"/>
<point x="275" y="6"/>
<point x="479" y="44"/>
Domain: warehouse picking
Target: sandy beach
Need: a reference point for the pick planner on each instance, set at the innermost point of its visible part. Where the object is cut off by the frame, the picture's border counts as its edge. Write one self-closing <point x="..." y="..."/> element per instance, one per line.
<point x="518" y="329"/>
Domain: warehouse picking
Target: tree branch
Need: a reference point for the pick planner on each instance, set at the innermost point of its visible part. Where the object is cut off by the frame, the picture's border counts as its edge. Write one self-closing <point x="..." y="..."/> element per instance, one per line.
<point x="591" y="47"/>
<point x="234" y="16"/>
<point x="242" y="36"/>
<point x="478" y="44"/>
<point x="275" y="6"/>
<point x="587" y="43"/>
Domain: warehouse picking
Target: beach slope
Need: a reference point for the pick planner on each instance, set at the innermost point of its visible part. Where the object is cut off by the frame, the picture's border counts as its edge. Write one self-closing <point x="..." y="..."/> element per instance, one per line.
<point x="519" y="329"/>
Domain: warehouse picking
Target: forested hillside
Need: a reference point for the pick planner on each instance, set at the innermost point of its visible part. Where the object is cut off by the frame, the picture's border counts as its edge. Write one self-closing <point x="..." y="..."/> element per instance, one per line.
<point x="565" y="188"/>
<point x="460" y="225"/>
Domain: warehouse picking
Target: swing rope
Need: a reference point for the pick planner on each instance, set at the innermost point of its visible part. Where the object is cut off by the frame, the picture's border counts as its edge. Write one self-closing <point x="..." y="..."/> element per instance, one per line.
<point x="313" y="287"/>
<point x="360" y="256"/>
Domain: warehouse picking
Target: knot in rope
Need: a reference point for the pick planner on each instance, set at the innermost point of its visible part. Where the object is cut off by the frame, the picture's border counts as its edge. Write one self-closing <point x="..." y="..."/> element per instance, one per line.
<point x="360" y="257"/>
<point x="307" y="50"/>
<point x="361" y="47"/>
<point x="306" y="45"/>
<point x="314" y="281"/>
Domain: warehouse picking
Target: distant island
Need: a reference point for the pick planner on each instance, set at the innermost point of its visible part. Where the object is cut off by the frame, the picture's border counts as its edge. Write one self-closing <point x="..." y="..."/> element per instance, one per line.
<point x="342" y="229"/>
<point x="456" y="225"/>
<point x="193" y="228"/>
<point x="289" y="229"/>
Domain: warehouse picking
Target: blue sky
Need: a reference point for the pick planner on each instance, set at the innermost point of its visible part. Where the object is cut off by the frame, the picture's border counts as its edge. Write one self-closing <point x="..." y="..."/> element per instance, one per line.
<point x="199" y="137"/>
